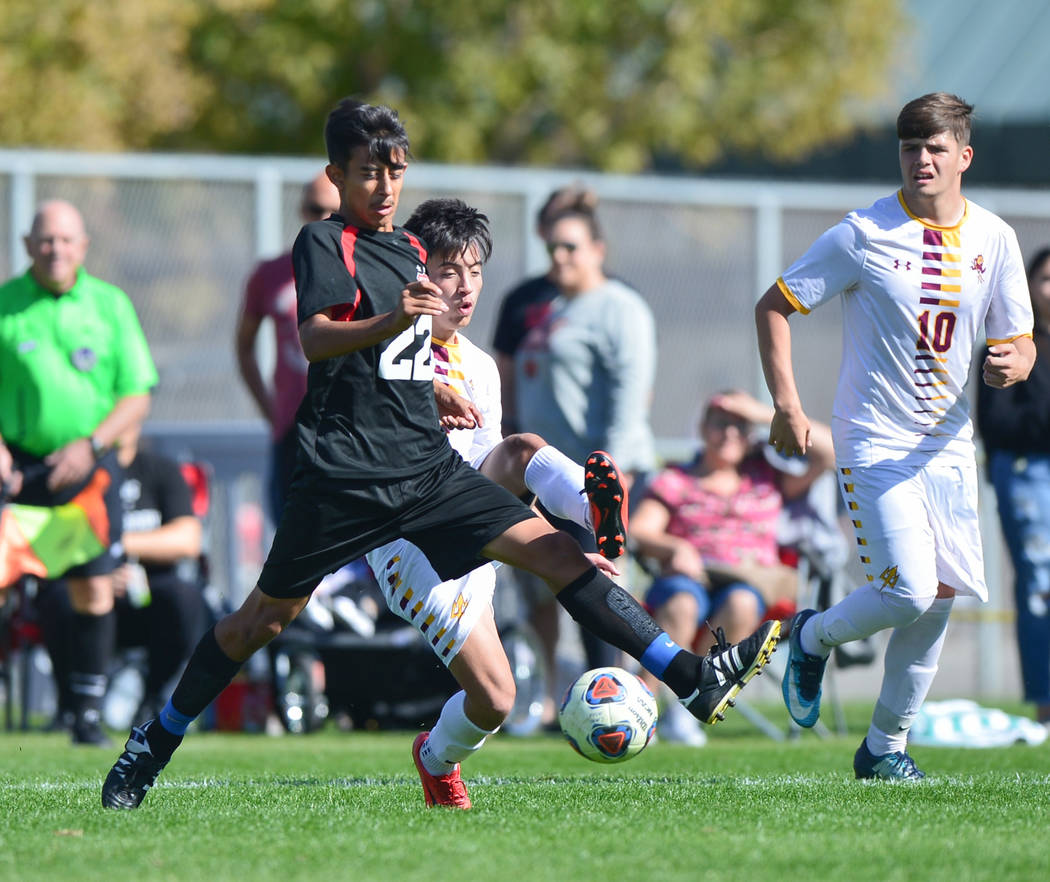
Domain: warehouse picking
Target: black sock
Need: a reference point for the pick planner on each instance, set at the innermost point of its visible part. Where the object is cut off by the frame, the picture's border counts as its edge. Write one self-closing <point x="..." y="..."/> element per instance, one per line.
<point x="91" y="649"/>
<point x="207" y="673"/>
<point x="607" y="611"/>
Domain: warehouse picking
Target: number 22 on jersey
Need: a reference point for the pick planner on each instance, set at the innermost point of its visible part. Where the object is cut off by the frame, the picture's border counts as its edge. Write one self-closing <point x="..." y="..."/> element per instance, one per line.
<point x="408" y="355"/>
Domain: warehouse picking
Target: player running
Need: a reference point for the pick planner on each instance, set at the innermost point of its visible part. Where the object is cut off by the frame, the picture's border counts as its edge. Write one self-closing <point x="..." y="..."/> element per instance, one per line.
<point x="920" y="273"/>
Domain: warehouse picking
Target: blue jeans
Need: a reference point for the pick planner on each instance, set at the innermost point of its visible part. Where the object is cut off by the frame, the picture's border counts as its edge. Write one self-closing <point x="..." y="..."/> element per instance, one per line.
<point x="1022" y="490"/>
<point x="663" y="588"/>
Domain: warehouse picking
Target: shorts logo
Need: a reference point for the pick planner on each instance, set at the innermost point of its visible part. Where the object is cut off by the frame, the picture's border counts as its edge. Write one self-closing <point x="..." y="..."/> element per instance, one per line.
<point x="459" y="606"/>
<point x="890" y="577"/>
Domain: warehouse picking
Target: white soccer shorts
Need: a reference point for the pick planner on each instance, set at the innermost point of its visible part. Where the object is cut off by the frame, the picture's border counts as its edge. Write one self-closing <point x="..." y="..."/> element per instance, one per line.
<point x="917" y="526"/>
<point x="443" y="612"/>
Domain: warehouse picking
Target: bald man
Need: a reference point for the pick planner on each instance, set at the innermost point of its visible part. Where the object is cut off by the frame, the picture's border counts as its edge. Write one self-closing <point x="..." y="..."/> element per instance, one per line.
<point x="270" y="293"/>
<point x="75" y="376"/>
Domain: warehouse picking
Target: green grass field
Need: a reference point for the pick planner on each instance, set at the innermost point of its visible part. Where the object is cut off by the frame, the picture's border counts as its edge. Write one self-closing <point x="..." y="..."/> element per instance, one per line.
<point x="348" y="806"/>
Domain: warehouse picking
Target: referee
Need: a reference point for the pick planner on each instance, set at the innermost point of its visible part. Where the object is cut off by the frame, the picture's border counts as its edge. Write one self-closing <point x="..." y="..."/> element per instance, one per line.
<point x="75" y="375"/>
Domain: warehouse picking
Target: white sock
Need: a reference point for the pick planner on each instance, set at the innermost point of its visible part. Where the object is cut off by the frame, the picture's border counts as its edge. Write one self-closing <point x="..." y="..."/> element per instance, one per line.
<point x="558" y="483"/>
<point x="453" y="738"/>
<point x="911" y="664"/>
<point x="859" y="614"/>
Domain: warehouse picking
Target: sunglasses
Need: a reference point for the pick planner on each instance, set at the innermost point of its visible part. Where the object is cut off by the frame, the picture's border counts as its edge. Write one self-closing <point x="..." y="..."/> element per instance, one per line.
<point x="570" y="247"/>
<point x="314" y="208"/>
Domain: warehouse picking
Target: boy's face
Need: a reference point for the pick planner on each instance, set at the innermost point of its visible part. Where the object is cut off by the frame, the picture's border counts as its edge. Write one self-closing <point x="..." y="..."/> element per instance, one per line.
<point x="933" y="166"/>
<point x="369" y="189"/>
<point x="459" y="278"/>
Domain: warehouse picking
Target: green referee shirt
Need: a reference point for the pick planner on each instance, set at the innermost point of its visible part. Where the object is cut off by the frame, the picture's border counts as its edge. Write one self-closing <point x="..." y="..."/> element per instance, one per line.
<point x="66" y="360"/>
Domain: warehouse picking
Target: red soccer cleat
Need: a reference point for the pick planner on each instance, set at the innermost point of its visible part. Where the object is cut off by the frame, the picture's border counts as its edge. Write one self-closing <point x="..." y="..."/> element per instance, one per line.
<point x="608" y="498"/>
<point x="448" y="790"/>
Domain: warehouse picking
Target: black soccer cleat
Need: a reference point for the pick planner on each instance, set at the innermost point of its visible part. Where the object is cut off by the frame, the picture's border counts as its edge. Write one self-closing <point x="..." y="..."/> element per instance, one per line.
<point x="608" y="500"/>
<point x="133" y="773"/>
<point x="726" y="669"/>
<point x="87" y="730"/>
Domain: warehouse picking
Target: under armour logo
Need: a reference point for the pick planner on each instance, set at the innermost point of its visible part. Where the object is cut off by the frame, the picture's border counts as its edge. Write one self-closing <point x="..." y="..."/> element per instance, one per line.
<point x="897" y="264"/>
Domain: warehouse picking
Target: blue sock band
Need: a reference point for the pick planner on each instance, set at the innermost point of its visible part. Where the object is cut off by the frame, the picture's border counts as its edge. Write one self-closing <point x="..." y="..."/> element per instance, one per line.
<point x="658" y="655"/>
<point x="173" y="721"/>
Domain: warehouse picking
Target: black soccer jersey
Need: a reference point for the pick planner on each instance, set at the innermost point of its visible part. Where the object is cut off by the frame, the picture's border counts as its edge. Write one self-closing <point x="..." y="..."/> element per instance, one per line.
<point x="371" y="413"/>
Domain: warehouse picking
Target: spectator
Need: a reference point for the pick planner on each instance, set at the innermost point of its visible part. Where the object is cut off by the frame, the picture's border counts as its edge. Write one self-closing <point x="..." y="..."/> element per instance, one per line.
<point x="75" y="376"/>
<point x="711" y="527"/>
<point x="1015" y="426"/>
<point x="158" y="603"/>
<point x="584" y="374"/>
<point x="270" y="293"/>
<point x="526" y="305"/>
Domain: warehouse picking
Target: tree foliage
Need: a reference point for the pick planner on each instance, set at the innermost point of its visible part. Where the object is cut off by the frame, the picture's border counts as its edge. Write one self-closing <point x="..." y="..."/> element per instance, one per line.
<point x="605" y="83"/>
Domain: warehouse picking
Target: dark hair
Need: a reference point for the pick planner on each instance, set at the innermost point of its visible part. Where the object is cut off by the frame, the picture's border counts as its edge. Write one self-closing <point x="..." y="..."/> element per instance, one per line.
<point x="573" y="199"/>
<point x="589" y="218"/>
<point x="1037" y="260"/>
<point x="353" y="123"/>
<point x="448" y="227"/>
<point x="935" y="113"/>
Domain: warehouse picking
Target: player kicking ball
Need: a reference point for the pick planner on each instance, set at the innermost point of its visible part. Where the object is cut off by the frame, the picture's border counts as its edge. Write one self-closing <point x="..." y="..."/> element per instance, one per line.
<point x="456" y="616"/>
<point x="374" y="466"/>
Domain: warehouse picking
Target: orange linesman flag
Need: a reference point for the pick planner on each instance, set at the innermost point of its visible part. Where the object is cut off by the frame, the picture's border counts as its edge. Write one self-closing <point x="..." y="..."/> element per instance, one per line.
<point x="46" y="541"/>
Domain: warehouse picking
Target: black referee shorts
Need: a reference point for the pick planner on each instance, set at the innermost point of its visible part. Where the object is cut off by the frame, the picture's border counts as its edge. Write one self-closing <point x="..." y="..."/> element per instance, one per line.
<point x="449" y="511"/>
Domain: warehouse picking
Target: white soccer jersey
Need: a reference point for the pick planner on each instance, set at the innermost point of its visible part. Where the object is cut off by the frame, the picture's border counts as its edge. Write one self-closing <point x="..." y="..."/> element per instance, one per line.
<point x="914" y="297"/>
<point x="472" y="373"/>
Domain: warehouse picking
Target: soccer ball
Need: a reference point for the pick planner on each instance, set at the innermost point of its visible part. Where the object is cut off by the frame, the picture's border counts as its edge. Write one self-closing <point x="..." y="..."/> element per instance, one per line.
<point x="608" y="715"/>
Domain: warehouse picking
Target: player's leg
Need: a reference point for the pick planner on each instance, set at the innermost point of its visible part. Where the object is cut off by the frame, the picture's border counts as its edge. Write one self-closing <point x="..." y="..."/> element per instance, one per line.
<point x="888" y="506"/>
<point x="212" y="667"/>
<point x="910" y="666"/>
<point x="468" y="717"/>
<point x="706" y="685"/>
<point x="914" y="650"/>
<point x="594" y="497"/>
<point x="455" y="617"/>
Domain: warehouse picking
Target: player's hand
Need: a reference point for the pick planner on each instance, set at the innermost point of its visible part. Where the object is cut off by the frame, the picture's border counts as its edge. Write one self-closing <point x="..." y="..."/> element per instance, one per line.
<point x="789" y="432"/>
<point x="455" y="411"/>
<point x="603" y="564"/>
<point x="70" y="464"/>
<point x="418" y="298"/>
<point x="1005" y="366"/>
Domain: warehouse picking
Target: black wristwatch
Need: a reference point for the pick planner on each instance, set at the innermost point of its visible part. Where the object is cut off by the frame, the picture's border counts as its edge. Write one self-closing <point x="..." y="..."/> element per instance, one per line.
<point x="98" y="449"/>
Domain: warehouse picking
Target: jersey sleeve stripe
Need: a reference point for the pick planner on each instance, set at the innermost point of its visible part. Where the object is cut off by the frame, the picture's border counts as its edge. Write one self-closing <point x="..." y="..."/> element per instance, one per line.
<point x="791" y="298"/>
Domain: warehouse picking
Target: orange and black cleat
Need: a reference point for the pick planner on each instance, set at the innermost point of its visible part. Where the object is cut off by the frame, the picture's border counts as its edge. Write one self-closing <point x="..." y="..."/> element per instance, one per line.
<point x="608" y="498"/>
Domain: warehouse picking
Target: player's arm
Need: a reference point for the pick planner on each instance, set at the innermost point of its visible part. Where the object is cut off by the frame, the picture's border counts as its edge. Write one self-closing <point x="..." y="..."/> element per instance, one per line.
<point x="789" y="430"/>
<point x="1009" y="363"/>
<point x="324" y="336"/>
<point x="244" y="345"/>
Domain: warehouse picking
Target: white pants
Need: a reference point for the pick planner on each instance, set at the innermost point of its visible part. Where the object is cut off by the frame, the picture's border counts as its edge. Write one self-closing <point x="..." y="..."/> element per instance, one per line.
<point x="917" y="526"/>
